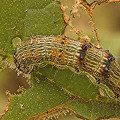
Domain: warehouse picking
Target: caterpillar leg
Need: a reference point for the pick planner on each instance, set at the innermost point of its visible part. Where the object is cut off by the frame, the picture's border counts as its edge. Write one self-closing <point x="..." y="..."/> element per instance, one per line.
<point x="101" y="93"/>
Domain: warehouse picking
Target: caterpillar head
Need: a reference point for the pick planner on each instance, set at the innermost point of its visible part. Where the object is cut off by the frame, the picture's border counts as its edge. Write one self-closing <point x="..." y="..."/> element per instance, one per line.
<point x="23" y="66"/>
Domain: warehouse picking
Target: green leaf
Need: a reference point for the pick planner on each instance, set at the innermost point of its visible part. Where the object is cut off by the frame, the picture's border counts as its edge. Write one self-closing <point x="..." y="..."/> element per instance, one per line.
<point x="12" y="21"/>
<point x="39" y="98"/>
<point x="24" y="19"/>
<point x="60" y="89"/>
<point x="51" y="88"/>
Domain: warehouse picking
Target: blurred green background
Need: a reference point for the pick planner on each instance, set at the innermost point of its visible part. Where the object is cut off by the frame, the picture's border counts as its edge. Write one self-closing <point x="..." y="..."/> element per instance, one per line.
<point x="107" y="20"/>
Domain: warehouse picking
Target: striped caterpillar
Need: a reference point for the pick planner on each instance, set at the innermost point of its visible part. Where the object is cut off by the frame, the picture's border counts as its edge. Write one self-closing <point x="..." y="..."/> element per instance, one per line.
<point x="80" y="56"/>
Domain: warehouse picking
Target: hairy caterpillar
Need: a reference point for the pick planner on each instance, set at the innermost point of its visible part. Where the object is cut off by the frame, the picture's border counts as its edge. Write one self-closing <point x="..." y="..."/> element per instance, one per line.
<point x="78" y="55"/>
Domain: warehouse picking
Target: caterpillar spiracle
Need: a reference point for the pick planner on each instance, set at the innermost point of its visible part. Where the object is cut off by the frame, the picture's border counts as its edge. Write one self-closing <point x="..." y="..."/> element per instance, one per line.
<point x="80" y="56"/>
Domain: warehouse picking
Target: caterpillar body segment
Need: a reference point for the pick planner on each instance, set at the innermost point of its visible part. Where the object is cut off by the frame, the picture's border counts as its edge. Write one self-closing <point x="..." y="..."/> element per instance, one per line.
<point x="80" y="56"/>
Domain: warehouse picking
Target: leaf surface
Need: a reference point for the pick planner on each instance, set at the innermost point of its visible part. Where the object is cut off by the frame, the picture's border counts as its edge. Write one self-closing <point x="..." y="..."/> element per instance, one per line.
<point x="51" y="88"/>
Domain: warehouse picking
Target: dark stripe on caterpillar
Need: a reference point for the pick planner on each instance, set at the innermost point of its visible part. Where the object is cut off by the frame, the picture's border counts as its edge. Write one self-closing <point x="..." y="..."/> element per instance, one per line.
<point x="79" y="56"/>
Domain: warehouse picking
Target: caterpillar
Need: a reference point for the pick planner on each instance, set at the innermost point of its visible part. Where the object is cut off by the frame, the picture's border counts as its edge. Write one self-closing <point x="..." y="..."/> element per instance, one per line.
<point x="80" y="56"/>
